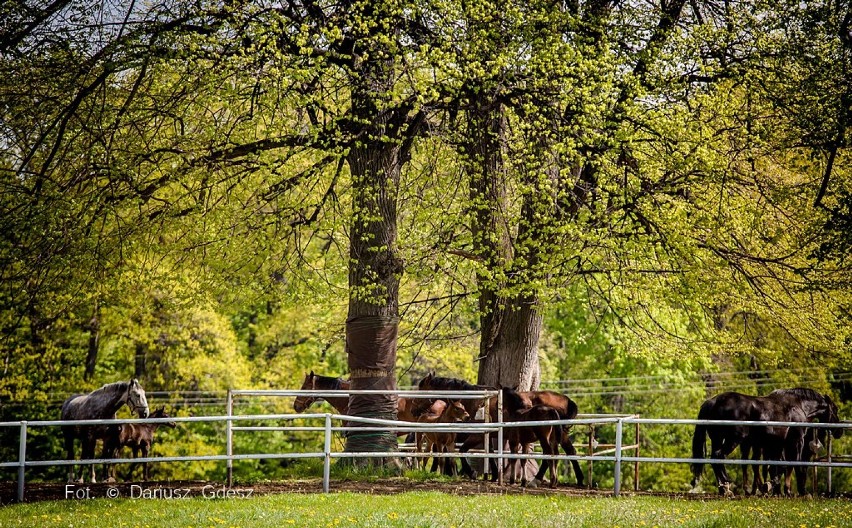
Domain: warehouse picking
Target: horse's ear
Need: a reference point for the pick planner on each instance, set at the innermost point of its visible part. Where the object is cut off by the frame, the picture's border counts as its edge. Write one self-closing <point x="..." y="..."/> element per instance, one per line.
<point x="134" y="382"/>
<point x="311" y="375"/>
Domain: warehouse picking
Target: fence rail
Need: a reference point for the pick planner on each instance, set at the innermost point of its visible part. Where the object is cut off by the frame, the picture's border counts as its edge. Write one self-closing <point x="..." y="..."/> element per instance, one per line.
<point x="618" y="453"/>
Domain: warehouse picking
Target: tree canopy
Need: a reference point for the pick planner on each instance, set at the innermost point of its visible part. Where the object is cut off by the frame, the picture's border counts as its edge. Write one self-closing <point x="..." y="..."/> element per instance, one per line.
<point x="201" y="193"/>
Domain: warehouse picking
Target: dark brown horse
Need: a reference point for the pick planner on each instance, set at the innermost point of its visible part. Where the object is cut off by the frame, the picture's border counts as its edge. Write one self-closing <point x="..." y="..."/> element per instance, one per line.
<point x="436" y="383"/>
<point x="137" y="436"/>
<point x="772" y="442"/>
<point x="567" y="410"/>
<point x="563" y="405"/>
<point x="520" y="438"/>
<point x="314" y="382"/>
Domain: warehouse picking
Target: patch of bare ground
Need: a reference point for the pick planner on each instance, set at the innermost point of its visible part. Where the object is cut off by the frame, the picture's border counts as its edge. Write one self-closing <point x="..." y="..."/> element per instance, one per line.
<point x="41" y="491"/>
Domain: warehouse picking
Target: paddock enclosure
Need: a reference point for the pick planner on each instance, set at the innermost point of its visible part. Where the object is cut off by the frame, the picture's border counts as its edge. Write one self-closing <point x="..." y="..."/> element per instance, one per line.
<point x="620" y="460"/>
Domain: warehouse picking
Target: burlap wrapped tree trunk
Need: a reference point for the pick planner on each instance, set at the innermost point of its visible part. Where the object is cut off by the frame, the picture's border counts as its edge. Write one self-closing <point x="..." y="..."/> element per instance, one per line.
<point x="371" y="352"/>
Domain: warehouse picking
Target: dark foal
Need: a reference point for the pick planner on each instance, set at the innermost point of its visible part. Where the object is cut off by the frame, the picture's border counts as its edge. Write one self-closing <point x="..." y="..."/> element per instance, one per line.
<point x="138" y="437"/>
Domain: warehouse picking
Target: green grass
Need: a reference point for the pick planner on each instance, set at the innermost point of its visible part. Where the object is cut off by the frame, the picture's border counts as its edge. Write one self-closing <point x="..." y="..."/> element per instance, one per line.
<point x="430" y="509"/>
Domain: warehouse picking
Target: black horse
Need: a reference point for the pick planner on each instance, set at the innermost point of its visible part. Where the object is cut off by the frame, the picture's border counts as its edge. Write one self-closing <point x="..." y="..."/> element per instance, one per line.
<point x="773" y="442"/>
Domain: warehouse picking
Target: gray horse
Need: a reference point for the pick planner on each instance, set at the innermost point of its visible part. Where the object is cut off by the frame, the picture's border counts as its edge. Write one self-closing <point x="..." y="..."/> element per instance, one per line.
<point x="102" y="403"/>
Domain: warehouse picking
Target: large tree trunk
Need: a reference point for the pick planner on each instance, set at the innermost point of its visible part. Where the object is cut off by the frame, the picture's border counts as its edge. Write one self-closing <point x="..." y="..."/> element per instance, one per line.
<point x="510" y="326"/>
<point x="511" y="357"/>
<point x="374" y="269"/>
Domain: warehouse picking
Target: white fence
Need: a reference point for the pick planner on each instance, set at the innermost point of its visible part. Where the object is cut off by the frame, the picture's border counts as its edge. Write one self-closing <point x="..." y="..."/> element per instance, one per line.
<point x="618" y="453"/>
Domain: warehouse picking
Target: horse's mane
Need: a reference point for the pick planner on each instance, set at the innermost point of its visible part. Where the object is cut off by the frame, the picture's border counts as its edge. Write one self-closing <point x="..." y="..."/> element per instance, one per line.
<point x="335" y="381"/>
<point x="438" y="382"/>
<point x="111" y="387"/>
<point x="801" y="392"/>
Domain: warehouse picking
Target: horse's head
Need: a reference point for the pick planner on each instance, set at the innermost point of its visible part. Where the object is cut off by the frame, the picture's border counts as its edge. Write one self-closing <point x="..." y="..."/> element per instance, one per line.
<point x="136" y="399"/>
<point x="426" y="382"/>
<point x="161" y="413"/>
<point x="831" y="416"/>
<point x="303" y="402"/>
<point x="512" y="399"/>
<point x="456" y="412"/>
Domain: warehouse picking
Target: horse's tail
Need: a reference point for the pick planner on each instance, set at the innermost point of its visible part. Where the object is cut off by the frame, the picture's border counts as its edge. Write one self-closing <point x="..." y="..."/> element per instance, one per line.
<point x="699" y="439"/>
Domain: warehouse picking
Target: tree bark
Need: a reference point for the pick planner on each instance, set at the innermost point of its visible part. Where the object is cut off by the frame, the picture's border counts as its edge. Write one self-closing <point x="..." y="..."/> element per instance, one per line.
<point x="375" y="164"/>
<point x="510" y="325"/>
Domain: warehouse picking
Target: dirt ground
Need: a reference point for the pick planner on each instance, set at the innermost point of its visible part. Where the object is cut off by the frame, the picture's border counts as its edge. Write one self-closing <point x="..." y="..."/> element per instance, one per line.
<point x="40" y="491"/>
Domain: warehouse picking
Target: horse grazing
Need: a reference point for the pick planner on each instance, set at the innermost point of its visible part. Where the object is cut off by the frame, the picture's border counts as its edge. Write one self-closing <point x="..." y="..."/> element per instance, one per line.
<point x="102" y="403"/>
<point x="521" y="437"/>
<point x="138" y="437"/>
<point x="773" y="442"/>
<point x="441" y="441"/>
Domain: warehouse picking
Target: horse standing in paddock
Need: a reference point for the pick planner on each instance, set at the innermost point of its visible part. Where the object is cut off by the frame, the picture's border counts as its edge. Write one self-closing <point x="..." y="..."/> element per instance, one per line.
<point x="563" y="405"/>
<point x="520" y="438"/>
<point x="407" y="409"/>
<point x="431" y="383"/>
<point x="314" y="382"/>
<point x="138" y="437"/>
<point x="808" y="441"/>
<point x="102" y="403"/>
<point x="444" y="442"/>
<point x="773" y="442"/>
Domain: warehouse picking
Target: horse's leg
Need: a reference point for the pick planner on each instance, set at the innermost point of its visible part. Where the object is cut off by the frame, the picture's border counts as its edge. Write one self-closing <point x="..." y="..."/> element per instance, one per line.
<point x="145" y="451"/>
<point x="418" y="440"/>
<point x="721" y="448"/>
<point x="134" y="449"/>
<point x="513" y="462"/>
<point x="451" y="449"/>
<point x="757" y="483"/>
<point x="745" y="449"/>
<point x="109" y="451"/>
<point x="793" y="448"/>
<point x="69" y="452"/>
<point x="549" y="463"/>
<point x="471" y="442"/>
<point x="88" y="453"/>
<point x="568" y="447"/>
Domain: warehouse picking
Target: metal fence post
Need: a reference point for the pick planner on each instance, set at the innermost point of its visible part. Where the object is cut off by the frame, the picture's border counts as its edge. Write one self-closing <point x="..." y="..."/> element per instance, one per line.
<point x="326" y="469"/>
<point x="22" y="460"/>
<point x="486" y="437"/>
<point x="589" y="483"/>
<point x="618" y="432"/>
<point x="229" y="438"/>
<point x="828" y="450"/>
<point x="636" y="464"/>
<point x="499" y="438"/>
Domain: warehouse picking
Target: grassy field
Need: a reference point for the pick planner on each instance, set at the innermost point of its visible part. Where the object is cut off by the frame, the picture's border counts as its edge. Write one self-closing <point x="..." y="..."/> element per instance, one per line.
<point x="429" y="509"/>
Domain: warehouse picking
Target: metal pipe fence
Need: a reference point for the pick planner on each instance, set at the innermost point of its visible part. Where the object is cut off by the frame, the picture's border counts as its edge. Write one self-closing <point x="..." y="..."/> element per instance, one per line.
<point x="619" y="450"/>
